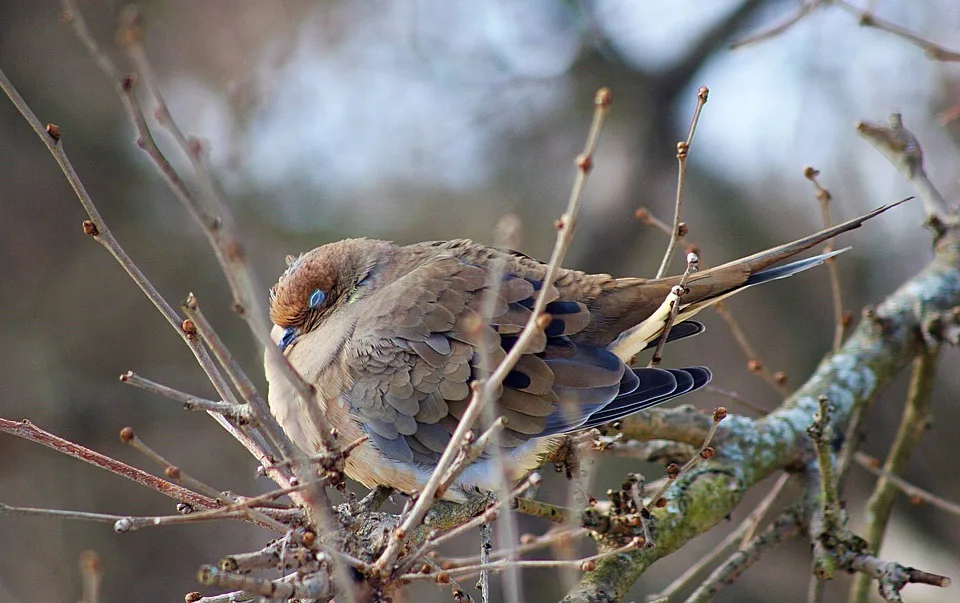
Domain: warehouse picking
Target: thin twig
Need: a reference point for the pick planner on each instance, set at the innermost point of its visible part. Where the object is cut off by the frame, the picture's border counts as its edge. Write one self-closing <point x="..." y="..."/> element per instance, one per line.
<point x="471" y="449"/>
<point x="230" y="510"/>
<point x="913" y="422"/>
<point x="683" y="149"/>
<point x="6" y="509"/>
<point x="217" y="225"/>
<point x="787" y="525"/>
<point x="528" y="544"/>
<point x="97" y="228"/>
<point x="129" y="437"/>
<point x="867" y="19"/>
<point x="646" y="216"/>
<point x="258" y="406"/>
<point x="851" y="438"/>
<point x="238" y="412"/>
<point x="565" y="227"/>
<point x="488" y="515"/>
<point x="91" y="575"/>
<point x="486" y="543"/>
<point x="677" y="291"/>
<point x="229" y="252"/>
<point x="28" y="431"/>
<point x="824" y="197"/>
<point x="227" y="248"/>
<point x="544" y="510"/>
<point x="802" y="11"/>
<point x="584" y="564"/>
<point x="705" y="452"/>
<point x="914" y="492"/>
<point x="754" y="519"/>
<point x="131" y="37"/>
<point x="742" y="534"/>
<point x="754" y="364"/>
<point x="735" y="397"/>
<point x="506" y="237"/>
<point x="821" y="499"/>
<point x="317" y="586"/>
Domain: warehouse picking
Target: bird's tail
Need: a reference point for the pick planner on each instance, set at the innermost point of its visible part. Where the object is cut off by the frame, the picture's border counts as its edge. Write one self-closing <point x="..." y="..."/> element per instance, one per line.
<point x="764" y="259"/>
<point x="631" y="301"/>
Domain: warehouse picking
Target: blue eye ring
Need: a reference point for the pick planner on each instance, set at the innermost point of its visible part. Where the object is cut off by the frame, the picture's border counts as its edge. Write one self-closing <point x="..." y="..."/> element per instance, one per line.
<point x="316" y="298"/>
<point x="289" y="334"/>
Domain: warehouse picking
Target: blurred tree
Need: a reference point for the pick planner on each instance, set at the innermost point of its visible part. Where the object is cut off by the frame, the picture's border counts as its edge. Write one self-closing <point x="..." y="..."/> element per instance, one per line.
<point x="428" y="120"/>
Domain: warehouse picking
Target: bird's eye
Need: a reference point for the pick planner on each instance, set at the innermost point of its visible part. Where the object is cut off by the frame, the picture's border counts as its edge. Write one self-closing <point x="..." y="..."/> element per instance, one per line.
<point x="316" y="298"/>
<point x="289" y="334"/>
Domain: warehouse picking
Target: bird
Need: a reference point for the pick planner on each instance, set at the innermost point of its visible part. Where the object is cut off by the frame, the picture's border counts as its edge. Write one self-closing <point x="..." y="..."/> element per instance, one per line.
<point x="392" y="336"/>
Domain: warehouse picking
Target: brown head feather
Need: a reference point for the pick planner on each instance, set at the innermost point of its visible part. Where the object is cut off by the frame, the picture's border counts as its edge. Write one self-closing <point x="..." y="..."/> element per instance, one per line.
<point x="335" y="269"/>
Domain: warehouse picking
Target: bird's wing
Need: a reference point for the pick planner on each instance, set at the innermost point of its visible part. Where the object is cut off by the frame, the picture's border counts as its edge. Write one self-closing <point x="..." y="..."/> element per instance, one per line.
<point x="419" y="341"/>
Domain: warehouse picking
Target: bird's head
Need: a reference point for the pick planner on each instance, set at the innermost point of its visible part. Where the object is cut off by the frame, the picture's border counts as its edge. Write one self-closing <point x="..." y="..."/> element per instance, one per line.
<point x="321" y="282"/>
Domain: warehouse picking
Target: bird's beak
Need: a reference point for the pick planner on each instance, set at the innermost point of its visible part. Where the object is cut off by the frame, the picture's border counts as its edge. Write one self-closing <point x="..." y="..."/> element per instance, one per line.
<point x="287" y="337"/>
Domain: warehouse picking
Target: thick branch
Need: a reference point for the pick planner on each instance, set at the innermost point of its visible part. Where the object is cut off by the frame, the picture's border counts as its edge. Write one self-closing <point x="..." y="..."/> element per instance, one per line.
<point x="749" y="450"/>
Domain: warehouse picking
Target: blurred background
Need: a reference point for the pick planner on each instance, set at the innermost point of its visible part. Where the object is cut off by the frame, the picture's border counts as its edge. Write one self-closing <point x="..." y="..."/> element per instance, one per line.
<point x="426" y="119"/>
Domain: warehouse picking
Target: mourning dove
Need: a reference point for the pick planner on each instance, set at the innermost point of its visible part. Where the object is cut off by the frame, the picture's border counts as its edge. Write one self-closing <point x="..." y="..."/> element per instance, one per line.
<point x="391" y="337"/>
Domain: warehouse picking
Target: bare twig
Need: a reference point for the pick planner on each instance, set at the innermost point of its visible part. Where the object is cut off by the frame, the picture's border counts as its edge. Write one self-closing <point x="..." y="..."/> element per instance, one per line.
<point x="217" y="225"/>
<point x="232" y="258"/>
<point x="646" y="216"/>
<point x="802" y="11"/>
<point x="585" y="564"/>
<point x="317" y="586"/>
<point x="750" y="523"/>
<point x="656" y="326"/>
<point x="705" y="452"/>
<point x="238" y="412"/>
<point x="223" y="240"/>
<point x="754" y="364"/>
<point x="786" y="526"/>
<point x="851" y="439"/>
<point x="129" y="437"/>
<point x="736" y="397"/>
<point x="913" y="422"/>
<point x="824" y="197"/>
<point x="470" y="450"/>
<point x="826" y="519"/>
<point x="486" y="543"/>
<point x="742" y="534"/>
<point x="488" y="515"/>
<point x="28" y="431"/>
<point x="258" y="406"/>
<point x="544" y="510"/>
<point x="6" y="509"/>
<point x="677" y="292"/>
<point x="683" y="149"/>
<point x="131" y="37"/>
<point x="97" y="228"/>
<point x="903" y="150"/>
<point x="528" y="544"/>
<point x="914" y="492"/>
<point x="867" y="19"/>
<point x="91" y="574"/>
<point x="506" y="237"/>
<point x="225" y="511"/>
<point x="565" y="227"/>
